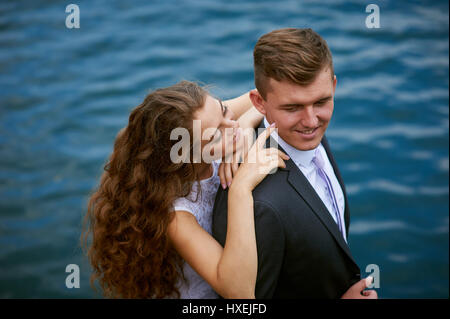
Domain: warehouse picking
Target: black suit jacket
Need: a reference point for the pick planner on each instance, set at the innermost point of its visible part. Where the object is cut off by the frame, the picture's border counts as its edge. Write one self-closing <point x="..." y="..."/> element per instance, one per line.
<point x="301" y="252"/>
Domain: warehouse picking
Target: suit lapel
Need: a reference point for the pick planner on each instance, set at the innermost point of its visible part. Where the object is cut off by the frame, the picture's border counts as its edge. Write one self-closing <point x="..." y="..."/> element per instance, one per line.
<point x="301" y="184"/>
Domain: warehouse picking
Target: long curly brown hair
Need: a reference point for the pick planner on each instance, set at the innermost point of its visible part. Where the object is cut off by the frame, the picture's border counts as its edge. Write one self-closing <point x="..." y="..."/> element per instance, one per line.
<point x="128" y="215"/>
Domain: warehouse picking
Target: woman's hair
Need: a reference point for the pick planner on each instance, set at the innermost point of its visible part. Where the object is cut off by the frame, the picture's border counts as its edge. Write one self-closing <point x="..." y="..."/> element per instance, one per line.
<point x="293" y="55"/>
<point x="128" y="214"/>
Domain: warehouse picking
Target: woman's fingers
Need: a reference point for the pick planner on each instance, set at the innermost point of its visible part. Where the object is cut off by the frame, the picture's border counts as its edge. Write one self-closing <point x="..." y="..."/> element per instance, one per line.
<point x="225" y="174"/>
<point x="221" y="173"/>
<point x="261" y="140"/>
<point x="228" y="174"/>
<point x="272" y="159"/>
<point x="273" y="152"/>
<point x="269" y="159"/>
<point x="277" y="161"/>
<point x="235" y="164"/>
<point x="277" y="152"/>
<point x="283" y="155"/>
<point x="281" y="163"/>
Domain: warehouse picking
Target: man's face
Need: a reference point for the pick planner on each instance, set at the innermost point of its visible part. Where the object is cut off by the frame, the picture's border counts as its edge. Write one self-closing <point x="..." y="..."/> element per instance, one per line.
<point x="301" y="113"/>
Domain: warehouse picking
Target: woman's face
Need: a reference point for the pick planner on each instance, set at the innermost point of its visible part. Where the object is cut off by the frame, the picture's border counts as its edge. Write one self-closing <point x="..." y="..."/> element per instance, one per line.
<point x="219" y="132"/>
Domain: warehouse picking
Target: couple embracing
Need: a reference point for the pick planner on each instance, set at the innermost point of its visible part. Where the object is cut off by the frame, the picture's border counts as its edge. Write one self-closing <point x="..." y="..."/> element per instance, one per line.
<point x="272" y="222"/>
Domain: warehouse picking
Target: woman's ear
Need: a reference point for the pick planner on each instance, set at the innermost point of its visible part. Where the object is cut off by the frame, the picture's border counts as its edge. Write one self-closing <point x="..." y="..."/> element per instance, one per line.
<point x="258" y="101"/>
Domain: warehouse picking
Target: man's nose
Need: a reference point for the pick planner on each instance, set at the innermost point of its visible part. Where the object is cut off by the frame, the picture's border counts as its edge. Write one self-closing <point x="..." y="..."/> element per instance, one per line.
<point x="309" y="118"/>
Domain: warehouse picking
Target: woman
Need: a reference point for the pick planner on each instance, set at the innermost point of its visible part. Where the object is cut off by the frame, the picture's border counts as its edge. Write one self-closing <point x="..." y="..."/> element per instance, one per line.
<point x="150" y="218"/>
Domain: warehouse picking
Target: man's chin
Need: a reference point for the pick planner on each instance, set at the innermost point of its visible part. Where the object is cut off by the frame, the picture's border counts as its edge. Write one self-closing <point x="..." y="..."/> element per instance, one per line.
<point x="306" y="145"/>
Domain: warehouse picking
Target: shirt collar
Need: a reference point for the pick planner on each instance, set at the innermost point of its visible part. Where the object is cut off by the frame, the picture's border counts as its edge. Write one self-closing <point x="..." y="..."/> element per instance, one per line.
<point x="299" y="157"/>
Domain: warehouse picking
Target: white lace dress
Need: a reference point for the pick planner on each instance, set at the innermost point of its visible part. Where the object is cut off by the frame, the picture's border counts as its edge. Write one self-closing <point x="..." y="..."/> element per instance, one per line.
<point x="196" y="287"/>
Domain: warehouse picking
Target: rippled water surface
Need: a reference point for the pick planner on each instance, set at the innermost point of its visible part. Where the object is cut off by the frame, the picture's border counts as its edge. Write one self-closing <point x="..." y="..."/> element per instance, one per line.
<point x="65" y="93"/>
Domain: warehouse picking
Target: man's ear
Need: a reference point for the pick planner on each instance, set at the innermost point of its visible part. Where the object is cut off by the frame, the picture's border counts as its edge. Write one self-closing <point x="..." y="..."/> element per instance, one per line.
<point x="334" y="84"/>
<point x="258" y="101"/>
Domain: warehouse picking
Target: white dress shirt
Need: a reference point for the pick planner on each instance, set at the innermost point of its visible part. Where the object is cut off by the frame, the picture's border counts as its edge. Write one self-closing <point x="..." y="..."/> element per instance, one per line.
<point x="303" y="160"/>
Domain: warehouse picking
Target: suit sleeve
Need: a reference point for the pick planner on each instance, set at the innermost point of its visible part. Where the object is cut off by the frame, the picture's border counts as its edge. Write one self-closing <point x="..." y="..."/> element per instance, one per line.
<point x="270" y="240"/>
<point x="219" y="219"/>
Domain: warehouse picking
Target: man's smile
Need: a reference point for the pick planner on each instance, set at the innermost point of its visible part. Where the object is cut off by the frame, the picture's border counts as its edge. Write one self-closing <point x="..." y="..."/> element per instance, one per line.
<point x="310" y="133"/>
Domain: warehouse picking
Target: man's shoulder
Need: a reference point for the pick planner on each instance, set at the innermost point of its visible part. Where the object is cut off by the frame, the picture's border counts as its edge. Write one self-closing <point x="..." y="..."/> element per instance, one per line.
<point x="271" y="186"/>
<point x="270" y="190"/>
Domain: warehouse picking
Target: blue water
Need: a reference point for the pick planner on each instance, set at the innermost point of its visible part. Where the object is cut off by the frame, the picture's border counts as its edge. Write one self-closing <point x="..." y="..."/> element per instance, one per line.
<point x="65" y="93"/>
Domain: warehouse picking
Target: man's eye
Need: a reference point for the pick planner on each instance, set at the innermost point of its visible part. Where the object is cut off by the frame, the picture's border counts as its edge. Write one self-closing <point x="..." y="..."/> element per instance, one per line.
<point x="321" y="102"/>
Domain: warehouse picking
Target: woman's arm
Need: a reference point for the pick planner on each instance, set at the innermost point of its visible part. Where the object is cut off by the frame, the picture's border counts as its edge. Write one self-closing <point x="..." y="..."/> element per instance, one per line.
<point x="239" y="105"/>
<point x="231" y="271"/>
<point x="244" y="111"/>
<point x="238" y="266"/>
<point x="251" y="118"/>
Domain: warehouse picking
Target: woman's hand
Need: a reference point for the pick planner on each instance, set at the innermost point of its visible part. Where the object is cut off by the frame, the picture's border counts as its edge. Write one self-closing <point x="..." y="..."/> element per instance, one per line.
<point x="259" y="162"/>
<point x="247" y="122"/>
<point x="229" y="166"/>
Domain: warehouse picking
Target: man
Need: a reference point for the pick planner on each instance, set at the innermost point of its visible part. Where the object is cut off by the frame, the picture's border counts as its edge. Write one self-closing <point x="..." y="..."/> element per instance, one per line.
<point x="301" y="212"/>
